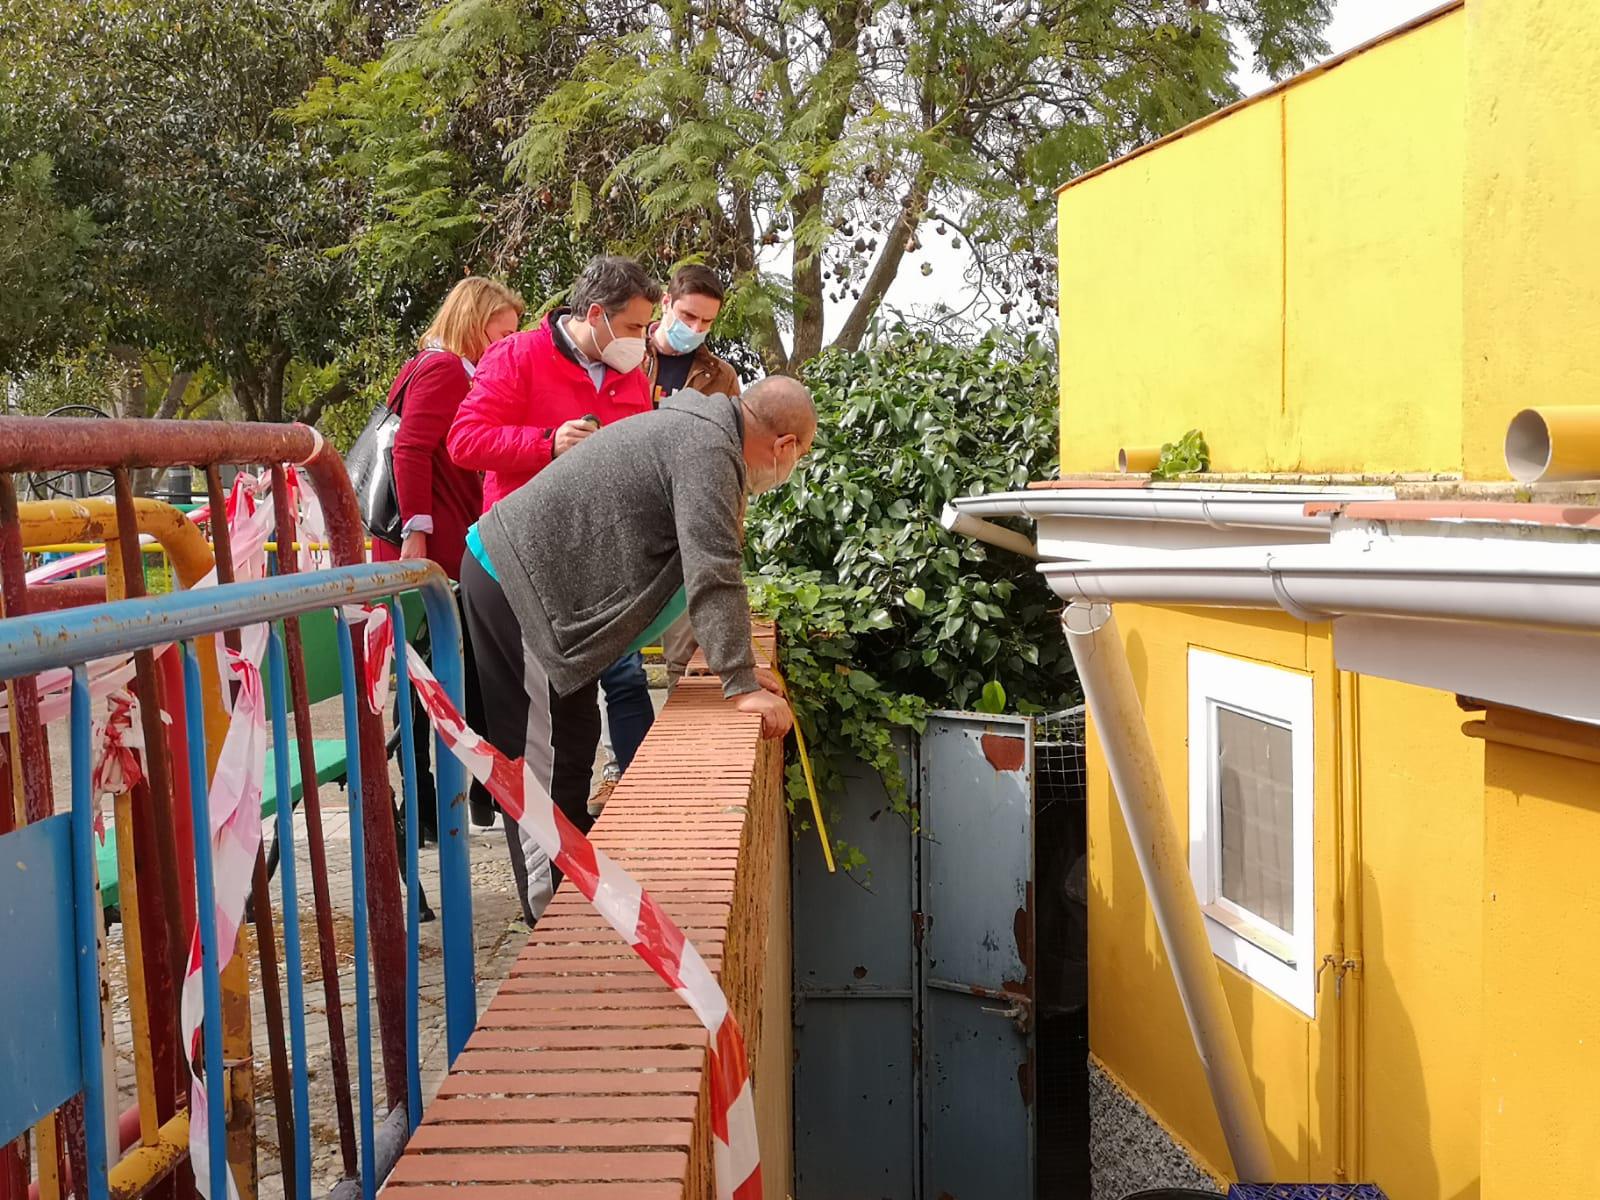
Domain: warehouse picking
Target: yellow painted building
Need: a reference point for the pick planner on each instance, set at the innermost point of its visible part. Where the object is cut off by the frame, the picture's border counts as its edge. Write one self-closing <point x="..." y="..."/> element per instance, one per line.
<point x="1361" y="275"/>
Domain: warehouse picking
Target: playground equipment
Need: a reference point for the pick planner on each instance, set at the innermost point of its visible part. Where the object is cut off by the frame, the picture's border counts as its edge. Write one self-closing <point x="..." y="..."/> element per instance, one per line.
<point x="154" y="875"/>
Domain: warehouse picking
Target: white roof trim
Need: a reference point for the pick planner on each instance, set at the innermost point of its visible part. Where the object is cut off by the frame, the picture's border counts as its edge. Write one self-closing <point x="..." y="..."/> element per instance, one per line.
<point x="1083" y="522"/>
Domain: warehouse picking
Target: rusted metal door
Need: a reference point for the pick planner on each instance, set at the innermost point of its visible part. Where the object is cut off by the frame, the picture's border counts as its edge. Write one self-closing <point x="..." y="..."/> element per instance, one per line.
<point x="914" y="983"/>
<point x="976" y="918"/>
<point x="856" y="1004"/>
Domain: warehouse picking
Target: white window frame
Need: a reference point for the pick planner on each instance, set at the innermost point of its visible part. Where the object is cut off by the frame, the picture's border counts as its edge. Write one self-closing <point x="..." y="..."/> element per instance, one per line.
<point x="1282" y="963"/>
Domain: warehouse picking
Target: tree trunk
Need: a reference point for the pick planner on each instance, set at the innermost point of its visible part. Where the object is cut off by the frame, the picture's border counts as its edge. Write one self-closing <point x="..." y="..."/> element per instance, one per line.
<point x="133" y="396"/>
<point x="807" y="279"/>
<point x="764" y="331"/>
<point x="272" y="405"/>
<point x="258" y="386"/>
<point x="171" y="402"/>
<point x="338" y="393"/>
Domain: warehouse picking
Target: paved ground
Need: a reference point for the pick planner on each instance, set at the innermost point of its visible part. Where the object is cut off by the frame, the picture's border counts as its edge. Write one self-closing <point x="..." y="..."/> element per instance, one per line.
<point x="500" y="937"/>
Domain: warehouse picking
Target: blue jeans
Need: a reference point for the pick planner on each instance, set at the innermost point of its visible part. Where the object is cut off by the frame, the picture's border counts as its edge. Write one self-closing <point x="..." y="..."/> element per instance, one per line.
<point x="628" y="708"/>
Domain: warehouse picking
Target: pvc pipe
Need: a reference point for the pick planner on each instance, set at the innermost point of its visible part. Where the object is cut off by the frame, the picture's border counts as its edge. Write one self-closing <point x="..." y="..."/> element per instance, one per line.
<point x="1218" y="508"/>
<point x="1115" y="711"/>
<point x="1550" y="445"/>
<point x="980" y="530"/>
<point x="1138" y="460"/>
<point x="1544" y="586"/>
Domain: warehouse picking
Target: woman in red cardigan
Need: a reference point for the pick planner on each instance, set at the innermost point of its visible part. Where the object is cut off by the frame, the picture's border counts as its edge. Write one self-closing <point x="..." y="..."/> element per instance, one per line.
<point x="439" y="500"/>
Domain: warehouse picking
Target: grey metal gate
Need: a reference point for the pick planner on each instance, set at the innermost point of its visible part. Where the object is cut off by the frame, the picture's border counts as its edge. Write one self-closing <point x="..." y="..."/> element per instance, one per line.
<point x="914" y="995"/>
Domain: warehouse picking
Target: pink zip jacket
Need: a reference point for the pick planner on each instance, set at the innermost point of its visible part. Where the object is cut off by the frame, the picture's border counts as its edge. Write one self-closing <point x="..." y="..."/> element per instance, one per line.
<point x="527" y="385"/>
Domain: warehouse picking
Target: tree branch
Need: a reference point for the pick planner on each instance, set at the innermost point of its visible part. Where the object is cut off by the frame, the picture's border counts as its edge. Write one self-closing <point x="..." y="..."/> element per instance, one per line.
<point x="889" y="258"/>
<point x="173" y="399"/>
<point x="337" y="394"/>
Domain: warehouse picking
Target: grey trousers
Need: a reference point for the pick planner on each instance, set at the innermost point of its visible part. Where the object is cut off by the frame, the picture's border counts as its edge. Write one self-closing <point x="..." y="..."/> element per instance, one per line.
<point x="678" y="644"/>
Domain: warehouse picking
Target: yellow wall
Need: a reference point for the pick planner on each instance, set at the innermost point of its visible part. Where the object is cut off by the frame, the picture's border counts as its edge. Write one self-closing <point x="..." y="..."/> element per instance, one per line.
<point x="1532" y="267"/>
<point x="1541" y="990"/>
<point x="1154" y="323"/>
<point x="1398" y="851"/>
<point x="1137" y="1026"/>
<point x="1287" y="278"/>
<point x="1369" y="271"/>
<point x="1420" y="786"/>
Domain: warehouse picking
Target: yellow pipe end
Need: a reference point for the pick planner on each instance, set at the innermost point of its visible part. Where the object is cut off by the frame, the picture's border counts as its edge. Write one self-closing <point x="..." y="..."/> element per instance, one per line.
<point x="1554" y="444"/>
<point x="1138" y="460"/>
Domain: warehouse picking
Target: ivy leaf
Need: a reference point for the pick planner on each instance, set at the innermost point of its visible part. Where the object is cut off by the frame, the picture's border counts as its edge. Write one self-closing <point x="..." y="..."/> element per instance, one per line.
<point x="916" y="598"/>
<point x="993" y="700"/>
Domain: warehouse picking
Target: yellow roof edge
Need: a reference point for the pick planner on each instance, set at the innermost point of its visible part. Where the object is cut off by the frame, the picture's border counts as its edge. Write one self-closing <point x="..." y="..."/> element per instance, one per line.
<point x="1276" y="89"/>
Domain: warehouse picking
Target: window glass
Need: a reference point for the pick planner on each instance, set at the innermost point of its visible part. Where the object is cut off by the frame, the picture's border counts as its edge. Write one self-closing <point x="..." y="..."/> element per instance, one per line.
<point x="1255" y="802"/>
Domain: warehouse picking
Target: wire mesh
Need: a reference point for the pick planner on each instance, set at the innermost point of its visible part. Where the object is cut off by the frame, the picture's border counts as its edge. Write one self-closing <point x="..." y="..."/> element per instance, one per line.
<point x="1058" y="757"/>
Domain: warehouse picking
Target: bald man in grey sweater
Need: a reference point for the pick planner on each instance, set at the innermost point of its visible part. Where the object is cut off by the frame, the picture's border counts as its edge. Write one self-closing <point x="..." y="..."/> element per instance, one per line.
<point x="599" y="553"/>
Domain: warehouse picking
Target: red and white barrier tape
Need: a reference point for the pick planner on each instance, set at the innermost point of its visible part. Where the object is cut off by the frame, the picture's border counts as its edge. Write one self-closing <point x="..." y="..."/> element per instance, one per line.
<point x="233" y="802"/>
<point x="119" y="762"/>
<point x="617" y="896"/>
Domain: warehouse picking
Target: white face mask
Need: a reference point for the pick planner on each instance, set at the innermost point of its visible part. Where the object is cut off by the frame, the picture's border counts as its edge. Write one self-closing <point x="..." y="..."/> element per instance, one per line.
<point x="758" y="480"/>
<point x="621" y="354"/>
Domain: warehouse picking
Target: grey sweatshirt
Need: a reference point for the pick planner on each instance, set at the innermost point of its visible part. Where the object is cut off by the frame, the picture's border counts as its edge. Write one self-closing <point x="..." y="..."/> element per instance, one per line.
<point x="592" y="548"/>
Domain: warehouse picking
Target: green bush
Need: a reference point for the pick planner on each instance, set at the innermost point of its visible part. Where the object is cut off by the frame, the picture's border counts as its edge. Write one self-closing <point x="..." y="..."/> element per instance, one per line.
<point x="882" y="614"/>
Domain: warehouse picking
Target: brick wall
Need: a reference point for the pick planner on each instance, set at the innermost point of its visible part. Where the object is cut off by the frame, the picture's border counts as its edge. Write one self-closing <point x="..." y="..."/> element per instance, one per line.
<point x="584" y="1079"/>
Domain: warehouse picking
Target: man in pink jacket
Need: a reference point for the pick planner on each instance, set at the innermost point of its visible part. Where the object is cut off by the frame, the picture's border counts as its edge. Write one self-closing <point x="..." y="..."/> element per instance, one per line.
<point x="533" y="390"/>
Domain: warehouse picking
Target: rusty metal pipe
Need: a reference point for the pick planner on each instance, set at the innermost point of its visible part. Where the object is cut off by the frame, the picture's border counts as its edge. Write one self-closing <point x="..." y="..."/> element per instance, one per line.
<point x="154" y="795"/>
<point x="27" y="736"/>
<point x="66" y="593"/>
<point x="261" y="896"/>
<point x="68" y="444"/>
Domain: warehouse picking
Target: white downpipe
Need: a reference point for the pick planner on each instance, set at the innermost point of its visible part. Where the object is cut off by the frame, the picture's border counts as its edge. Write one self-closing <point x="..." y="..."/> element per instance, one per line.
<point x="958" y="521"/>
<point x="1115" y="710"/>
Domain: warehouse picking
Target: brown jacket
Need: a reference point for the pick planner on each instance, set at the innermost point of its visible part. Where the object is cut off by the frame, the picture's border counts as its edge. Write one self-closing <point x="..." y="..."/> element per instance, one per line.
<point x="708" y="374"/>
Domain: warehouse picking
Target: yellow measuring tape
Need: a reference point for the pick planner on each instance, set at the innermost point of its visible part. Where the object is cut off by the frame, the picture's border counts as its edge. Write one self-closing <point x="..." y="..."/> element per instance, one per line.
<point x="805" y="767"/>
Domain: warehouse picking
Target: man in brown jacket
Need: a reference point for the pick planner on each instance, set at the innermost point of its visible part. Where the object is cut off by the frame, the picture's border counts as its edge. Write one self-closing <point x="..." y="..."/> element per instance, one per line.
<point x="676" y="357"/>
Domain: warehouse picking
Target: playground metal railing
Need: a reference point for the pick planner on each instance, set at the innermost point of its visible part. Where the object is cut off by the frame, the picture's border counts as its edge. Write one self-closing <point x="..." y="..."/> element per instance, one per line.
<point x="156" y="886"/>
<point x="56" y="949"/>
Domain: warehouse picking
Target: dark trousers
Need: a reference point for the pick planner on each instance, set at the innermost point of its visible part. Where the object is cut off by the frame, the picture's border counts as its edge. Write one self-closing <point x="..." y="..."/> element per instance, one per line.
<point x="628" y="706"/>
<point x="480" y="803"/>
<point x="524" y="717"/>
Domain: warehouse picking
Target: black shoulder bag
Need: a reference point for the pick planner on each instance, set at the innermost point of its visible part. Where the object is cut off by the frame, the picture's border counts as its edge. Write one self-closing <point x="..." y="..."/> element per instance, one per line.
<point x="370" y="464"/>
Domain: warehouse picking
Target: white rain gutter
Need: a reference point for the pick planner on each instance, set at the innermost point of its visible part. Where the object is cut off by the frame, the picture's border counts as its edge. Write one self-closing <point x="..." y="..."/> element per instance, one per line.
<point x="1220" y="508"/>
<point x="1082" y="522"/>
<point x="1542" y="585"/>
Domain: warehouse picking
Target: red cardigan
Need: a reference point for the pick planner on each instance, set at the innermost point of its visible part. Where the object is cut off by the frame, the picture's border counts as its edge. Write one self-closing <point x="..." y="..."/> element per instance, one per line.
<point x="526" y="386"/>
<point x="426" y="482"/>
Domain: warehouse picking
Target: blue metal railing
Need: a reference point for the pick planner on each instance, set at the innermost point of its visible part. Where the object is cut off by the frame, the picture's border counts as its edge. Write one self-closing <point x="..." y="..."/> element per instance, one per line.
<point x="75" y="637"/>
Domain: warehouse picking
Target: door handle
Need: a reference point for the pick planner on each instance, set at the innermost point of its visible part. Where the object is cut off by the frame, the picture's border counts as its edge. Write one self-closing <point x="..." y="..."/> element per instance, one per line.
<point x="1018" y="1014"/>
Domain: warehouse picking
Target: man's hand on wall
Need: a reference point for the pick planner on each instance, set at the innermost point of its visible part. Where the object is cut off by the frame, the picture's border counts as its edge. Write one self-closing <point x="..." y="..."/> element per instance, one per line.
<point x="776" y="719"/>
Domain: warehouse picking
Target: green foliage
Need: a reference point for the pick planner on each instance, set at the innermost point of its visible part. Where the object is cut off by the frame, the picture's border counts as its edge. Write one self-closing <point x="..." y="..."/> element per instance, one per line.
<point x="1183" y="457"/>
<point x="882" y="613"/>
<point x="43" y="248"/>
<point x="993" y="699"/>
<point x="209" y="225"/>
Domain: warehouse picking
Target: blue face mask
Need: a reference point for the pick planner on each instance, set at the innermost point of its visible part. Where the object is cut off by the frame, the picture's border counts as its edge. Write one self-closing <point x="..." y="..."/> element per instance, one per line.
<point x="683" y="339"/>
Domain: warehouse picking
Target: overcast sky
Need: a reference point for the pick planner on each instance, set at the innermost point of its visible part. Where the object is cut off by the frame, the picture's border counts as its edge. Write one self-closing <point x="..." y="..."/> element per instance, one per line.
<point x="1354" y="22"/>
